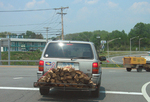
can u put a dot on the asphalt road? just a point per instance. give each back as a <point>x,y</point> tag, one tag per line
<point>16,85</point>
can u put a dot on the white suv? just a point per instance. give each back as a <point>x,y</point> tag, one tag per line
<point>80,54</point>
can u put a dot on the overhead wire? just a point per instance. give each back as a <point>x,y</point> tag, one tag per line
<point>47,22</point>
<point>26,24</point>
<point>28,10</point>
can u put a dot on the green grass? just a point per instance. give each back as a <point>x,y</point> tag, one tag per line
<point>19,55</point>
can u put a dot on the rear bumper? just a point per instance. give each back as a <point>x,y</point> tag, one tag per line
<point>39,74</point>
<point>96,78</point>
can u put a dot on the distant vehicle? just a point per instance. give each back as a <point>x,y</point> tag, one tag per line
<point>148,53</point>
<point>137,63</point>
<point>79,54</point>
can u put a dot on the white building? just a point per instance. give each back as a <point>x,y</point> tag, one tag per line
<point>20,44</point>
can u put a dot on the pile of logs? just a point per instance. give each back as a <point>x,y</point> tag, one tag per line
<point>67,76</point>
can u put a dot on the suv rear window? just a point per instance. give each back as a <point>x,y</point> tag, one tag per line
<point>69,50</point>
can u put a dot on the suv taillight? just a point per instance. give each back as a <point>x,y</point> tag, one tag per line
<point>41,65</point>
<point>95,68</point>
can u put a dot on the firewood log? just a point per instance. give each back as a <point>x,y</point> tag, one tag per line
<point>81,76</point>
<point>70,81</point>
<point>48,75</point>
<point>67,74</point>
<point>48,80</point>
<point>78,72</point>
<point>65,69</point>
<point>76,76</point>
<point>58,77</point>
<point>58,81</point>
<point>54,75</point>
<point>81,80</point>
<point>73,74</point>
<point>58,73</point>
<point>54,70</point>
<point>68,77</point>
<point>62,78</point>
<point>41,80</point>
<point>71,70</point>
<point>64,81</point>
<point>59,68</point>
<point>86,80</point>
<point>52,80</point>
<point>61,73</point>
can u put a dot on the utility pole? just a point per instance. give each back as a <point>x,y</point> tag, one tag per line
<point>47,33</point>
<point>62,18</point>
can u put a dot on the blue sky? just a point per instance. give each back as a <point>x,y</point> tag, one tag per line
<point>82,15</point>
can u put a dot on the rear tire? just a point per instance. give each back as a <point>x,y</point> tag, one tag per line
<point>96,92</point>
<point>139,69</point>
<point>148,70</point>
<point>44,91</point>
<point>129,69</point>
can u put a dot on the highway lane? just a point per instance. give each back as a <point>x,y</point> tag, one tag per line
<point>117,86</point>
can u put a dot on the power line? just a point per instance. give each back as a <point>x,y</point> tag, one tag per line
<point>26,24</point>
<point>28,10</point>
<point>51,19</point>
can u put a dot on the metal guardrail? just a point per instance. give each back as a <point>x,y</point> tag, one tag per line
<point>19,62</point>
<point>36,62</point>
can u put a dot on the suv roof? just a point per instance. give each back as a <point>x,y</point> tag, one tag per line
<point>67,41</point>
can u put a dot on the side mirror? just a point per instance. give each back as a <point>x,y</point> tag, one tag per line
<point>102,58</point>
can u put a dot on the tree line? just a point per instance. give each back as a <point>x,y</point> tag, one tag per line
<point>28,34</point>
<point>139,33</point>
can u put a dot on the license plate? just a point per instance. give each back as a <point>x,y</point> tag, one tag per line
<point>68,64</point>
<point>74,65</point>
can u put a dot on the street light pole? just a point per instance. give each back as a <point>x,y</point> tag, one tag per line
<point>98,37</point>
<point>139,42</point>
<point>108,44</point>
<point>130,43</point>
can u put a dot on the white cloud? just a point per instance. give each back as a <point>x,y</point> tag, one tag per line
<point>31,4</point>
<point>4,6</point>
<point>41,2</point>
<point>1,4</point>
<point>83,13</point>
<point>86,1</point>
<point>112,5</point>
<point>91,1</point>
<point>140,7</point>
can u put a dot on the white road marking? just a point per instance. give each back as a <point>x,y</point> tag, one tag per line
<point>107,92</point>
<point>119,92</point>
<point>18,88</point>
<point>144,91</point>
<point>18,78</point>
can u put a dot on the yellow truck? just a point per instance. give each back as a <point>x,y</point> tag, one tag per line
<point>137,63</point>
